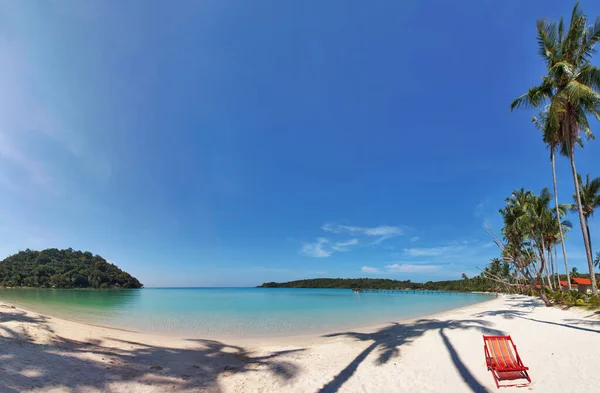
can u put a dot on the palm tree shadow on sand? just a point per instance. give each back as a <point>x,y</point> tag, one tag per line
<point>108,364</point>
<point>388,340</point>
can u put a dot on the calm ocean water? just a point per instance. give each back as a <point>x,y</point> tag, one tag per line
<point>262,312</point>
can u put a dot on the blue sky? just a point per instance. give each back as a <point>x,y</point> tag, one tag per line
<point>213,143</point>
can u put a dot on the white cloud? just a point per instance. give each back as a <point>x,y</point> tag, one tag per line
<point>432,251</point>
<point>343,245</point>
<point>369,269</point>
<point>414,239</point>
<point>384,230</point>
<point>316,250</point>
<point>409,268</point>
<point>381,232</point>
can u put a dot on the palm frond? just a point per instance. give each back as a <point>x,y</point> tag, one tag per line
<point>584,127</point>
<point>590,76</point>
<point>567,224</point>
<point>534,97</point>
<point>577,92</point>
<point>561,27</point>
<point>548,39</point>
<point>575,35</point>
<point>592,37</point>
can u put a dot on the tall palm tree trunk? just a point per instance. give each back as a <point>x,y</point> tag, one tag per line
<point>587,228</point>
<point>586,241</point>
<point>562,240</point>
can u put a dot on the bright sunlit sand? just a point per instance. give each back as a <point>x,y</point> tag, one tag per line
<point>443,352</point>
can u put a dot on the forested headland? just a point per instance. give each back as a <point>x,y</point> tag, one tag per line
<point>466,284</point>
<point>54,268</point>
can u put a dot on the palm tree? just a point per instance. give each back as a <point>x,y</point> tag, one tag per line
<point>529,229</point>
<point>552,235</point>
<point>590,200</point>
<point>574,272</point>
<point>552,138</point>
<point>597,261</point>
<point>571,89</point>
<point>541,227</point>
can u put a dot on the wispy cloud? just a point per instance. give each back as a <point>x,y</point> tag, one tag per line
<point>410,268</point>
<point>344,245</point>
<point>479,210</point>
<point>324,247</point>
<point>449,249</point>
<point>429,252</point>
<point>317,249</point>
<point>414,239</point>
<point>370,270</point>
<point>379,233</point>
<point>386,231</point>
<point>26,167</point>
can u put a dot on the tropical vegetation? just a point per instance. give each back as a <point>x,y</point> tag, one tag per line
<point>53,268</point>
<point>568,93</point>
<point>530,235</point>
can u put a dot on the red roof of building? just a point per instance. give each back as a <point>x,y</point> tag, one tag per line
<point>581,281</point>
<point>565,283</point>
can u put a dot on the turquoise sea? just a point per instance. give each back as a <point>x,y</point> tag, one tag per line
<point>243,312</point>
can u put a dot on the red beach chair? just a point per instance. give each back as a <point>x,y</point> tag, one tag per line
<point>504,364</point>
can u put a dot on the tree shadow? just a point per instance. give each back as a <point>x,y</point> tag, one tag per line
<point>20,334</point>
<point>102,363</point>
<point>588,322</point>
<point>462,369</point>
<point>569,323</point>
<point>388,341</point>
<point>522,302</point>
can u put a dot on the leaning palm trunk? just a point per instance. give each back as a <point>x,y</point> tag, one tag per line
<point>557,271</point>
<point>544,267</point>
<point>586,240</point>
<point>560,231</point>
<point>551,262</point>
<point>550,284</point>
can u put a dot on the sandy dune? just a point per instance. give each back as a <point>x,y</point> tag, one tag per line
<point>442,353</point>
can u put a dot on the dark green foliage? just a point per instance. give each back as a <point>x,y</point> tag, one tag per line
<point>53,268</point>
<point>469,284</point>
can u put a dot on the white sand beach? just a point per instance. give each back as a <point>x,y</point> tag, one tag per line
<point>440,353</point>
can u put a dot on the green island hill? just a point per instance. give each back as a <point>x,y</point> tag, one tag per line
<point>54,268</point>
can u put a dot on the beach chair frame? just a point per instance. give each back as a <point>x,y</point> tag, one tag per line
<point>500,373</point>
